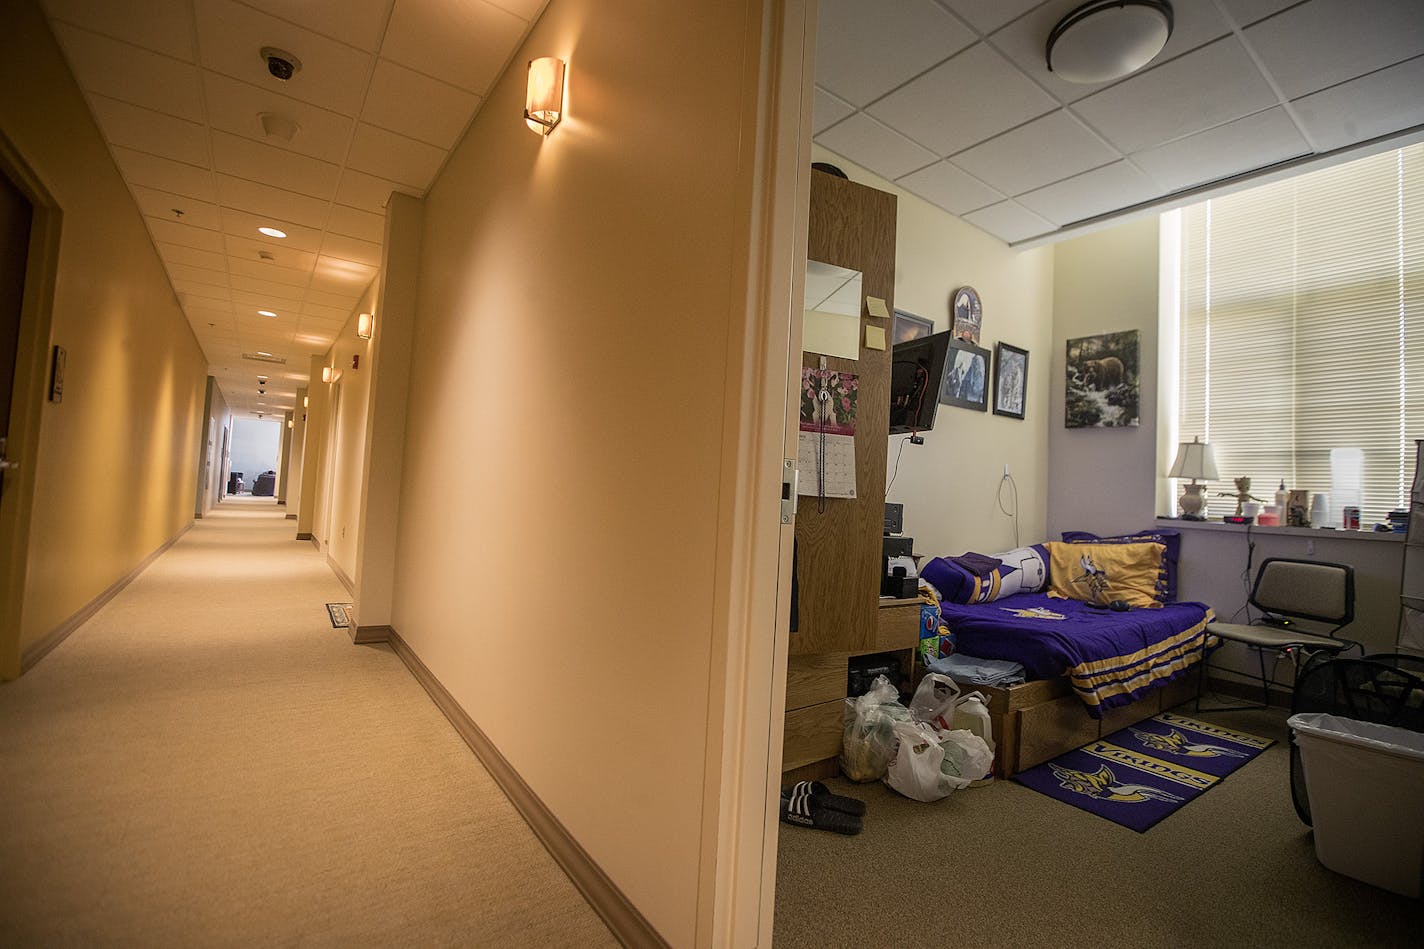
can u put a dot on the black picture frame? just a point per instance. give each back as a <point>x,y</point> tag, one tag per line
<point>966,376</point>
<point>908,326</point>
<point>1011,381</point>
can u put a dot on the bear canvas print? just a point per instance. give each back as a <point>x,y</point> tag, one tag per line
<point>1102,384</point>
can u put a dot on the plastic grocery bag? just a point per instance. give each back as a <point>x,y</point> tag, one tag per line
<point>971,713</point>
<point>929,764</point>
<point>869,740</point>
<point>935,700</point>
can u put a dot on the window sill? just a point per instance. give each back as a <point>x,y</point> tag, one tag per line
<point>1320,533</point>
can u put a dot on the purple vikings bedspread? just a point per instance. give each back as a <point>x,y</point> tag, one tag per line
<point>1112,659</point>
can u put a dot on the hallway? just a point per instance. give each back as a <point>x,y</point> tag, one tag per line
<point>207,762</point>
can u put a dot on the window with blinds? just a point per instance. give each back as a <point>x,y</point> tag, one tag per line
<point>1301,330</point>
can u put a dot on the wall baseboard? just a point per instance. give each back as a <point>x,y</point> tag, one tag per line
<point>628,925</point>
<point>43,646</point>
<point>305,535</point>
<point>1250,691</point>
<point>341,575</point>
<point>293,517</point>
<point>366,635</point>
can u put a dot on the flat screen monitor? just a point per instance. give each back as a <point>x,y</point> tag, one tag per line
<point>916,371</point>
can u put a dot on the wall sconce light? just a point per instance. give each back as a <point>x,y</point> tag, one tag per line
<point>290,423</point>
<point>305,402</point>
<point>329,374</point>
<point>365,325</point>
<point>544,100</point>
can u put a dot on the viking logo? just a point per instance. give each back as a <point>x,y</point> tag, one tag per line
<point>1093,577</point>
<point>1176,744</point>
<point>1102,785</point>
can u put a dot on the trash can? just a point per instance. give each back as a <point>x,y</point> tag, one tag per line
<point>1366,788</point>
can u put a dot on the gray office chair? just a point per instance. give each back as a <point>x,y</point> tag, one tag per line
<point>1285,591</point>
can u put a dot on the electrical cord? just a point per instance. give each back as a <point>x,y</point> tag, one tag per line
<point>896,472</point>
<point>1014,514</point>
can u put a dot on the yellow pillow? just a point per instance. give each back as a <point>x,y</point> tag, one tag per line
<point>1101,573</point>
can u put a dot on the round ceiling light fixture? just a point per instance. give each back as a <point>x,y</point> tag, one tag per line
<point>268,313</point>
<point>1104,40</point>
<point>271,232</point>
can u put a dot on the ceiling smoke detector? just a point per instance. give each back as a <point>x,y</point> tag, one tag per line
<point>280,63</point>
<point>1105,40</point>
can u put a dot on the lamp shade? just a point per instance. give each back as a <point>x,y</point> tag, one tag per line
<point>1194,461</point>
<point>544,97</point>
<point>1105,40</point>
<point>365,325</point>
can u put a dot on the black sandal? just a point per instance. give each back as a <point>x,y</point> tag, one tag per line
<point>803,806</point>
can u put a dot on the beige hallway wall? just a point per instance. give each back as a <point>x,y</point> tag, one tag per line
<point>559,515</point>
<point>115,472</point>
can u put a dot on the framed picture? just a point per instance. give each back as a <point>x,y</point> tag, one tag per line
<point>1010,380</point>
<point>908,326</point>
<point>966,377</point>
<point>1101,388</point>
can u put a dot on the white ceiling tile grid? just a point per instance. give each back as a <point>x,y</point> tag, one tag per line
<point>954,102</point>
<point>179,88</point>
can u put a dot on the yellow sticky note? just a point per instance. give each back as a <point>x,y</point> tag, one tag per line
<point>876,307</point>
<point>875,337</point>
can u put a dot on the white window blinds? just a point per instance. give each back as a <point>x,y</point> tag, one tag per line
<point>1302,329</point>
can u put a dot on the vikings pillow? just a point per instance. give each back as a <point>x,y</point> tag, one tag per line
<point>975,578</point>
<point>1170,539</point>
<point>1101,573</point>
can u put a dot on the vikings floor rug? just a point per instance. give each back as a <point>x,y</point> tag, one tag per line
<point>340,614</point>
<point>1139,775</point>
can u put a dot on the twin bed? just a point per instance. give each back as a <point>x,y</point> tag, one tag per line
<point>1090,670</point>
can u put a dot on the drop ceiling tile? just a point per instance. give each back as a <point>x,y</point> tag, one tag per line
<point>187,256</point>
<point>162,26</point>
<point>861,53</point>
<point>198,275</point>
<point>312,311</point>
<point>827,110</point>
<point>1043,151</point>
<point>162,204</point>
<point>130,74</point>
<point>525,9</point>
<point>1102,190</point>
<point>207,291</point>
<point>205,301</point>
<point>964,101</point>
<point>349,248</point>
<point>273,166</point>
<point>1204,88</point>
<point>184,235</point>
<point>344,302</point>
<point>1246,12</point>
<point>417,106</point>
<point>388,155</point>
<point>148,131</point>
<point>273,289</point>
<point>333,275</point>
<point>986,16</point>
<point>141,168</point>
<point>872,145</point>
<point>248,303</point>
<point>1024,42</point>
<point>1364,108</point>
<point>230,36</point>
<point>1240,146</point>
<point>266,270</point>
<point>465,43</point>
<point>237,107</point>
<point>288,257</point>
<point>245,225</point>
<point>264,199</point>
<point>367,192</point>
<point>354,223</point>
<point>1324,42</point>
<point>1009,222</point>
<point>355,24</point>
<point>948,187</point>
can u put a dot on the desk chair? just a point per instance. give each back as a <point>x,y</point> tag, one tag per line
<point>1286,590</point>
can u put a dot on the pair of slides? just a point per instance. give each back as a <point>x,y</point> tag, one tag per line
<point>811,804</point>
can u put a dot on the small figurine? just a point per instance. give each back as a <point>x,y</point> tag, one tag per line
<point>1242,495</point>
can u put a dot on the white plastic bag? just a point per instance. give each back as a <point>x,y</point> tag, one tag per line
<point>930,764</point>
<point>934,700</point>
<point>869,740</point>
<point>971,713</point>
<point>967,755</point>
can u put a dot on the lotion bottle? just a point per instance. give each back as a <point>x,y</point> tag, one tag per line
<point>1281,500</point>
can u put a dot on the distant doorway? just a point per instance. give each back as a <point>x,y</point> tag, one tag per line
<point>256,447</point>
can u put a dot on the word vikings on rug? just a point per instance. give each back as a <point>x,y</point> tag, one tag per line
<point>1140,774</point>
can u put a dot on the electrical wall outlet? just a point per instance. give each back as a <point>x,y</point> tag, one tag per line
<point>1310,547</point>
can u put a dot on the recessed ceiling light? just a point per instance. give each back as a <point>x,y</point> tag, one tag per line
<point>266,313</point>
<point>260,353</point>
<point>271,232</point>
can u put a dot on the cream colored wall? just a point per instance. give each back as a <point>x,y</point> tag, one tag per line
<point>340,501</point>
<point>564,441</point>
<point>949,485</point>
<point>220,417</point>
<point>115,470</point>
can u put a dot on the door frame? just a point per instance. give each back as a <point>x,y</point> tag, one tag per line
<point>26,411</point>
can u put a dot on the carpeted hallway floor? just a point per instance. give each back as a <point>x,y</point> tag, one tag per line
<point>1003,865</point>
<point>207,762</point>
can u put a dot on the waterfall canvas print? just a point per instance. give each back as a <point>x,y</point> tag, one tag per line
<point>1102,388</point>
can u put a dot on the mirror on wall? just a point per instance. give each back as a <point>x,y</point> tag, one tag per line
<point>833,301</point>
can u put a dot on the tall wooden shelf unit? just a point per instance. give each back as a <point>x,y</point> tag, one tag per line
<point>838,550</point>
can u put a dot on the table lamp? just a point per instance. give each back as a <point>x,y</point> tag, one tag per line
<point>1194,461</point>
